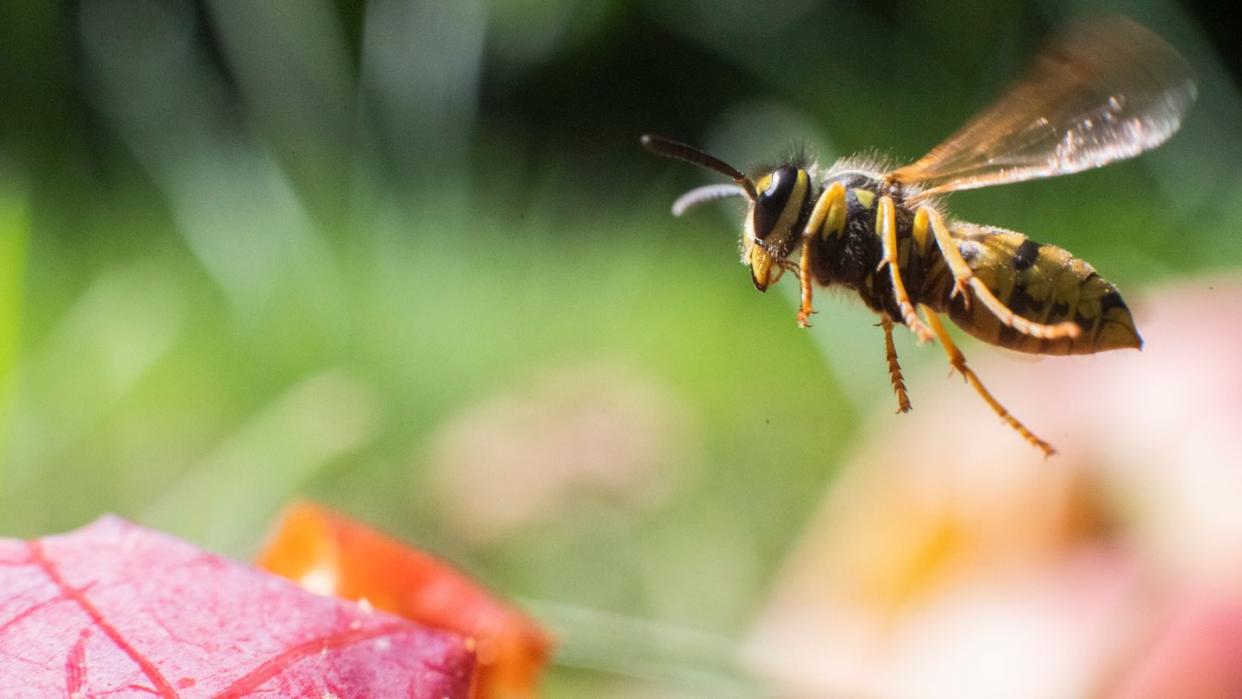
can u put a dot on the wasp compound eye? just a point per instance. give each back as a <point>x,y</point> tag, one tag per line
<point>771,202</point>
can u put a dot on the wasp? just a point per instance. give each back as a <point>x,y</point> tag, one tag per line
<point>1100,91</point>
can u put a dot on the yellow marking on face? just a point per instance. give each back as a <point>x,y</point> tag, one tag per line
<point>865,197</point>
<point>761,267</point>
<point>793,208</point>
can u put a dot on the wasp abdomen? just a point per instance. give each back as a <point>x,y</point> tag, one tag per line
<point>1043,283</point>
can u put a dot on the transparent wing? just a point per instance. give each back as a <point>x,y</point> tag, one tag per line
<point>1102,91</point>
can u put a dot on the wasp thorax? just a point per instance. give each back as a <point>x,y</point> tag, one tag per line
<point>774,215</point>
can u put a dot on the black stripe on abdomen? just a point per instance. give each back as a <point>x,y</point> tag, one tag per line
<point>1026,254</point>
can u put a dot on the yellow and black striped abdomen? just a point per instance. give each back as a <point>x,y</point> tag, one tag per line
<point>1043,283</point>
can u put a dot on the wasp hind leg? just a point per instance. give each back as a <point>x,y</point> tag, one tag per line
<point>894,368</point>
<point>964,277</point>
<point>830,211</point>
<point>958,360</point>
<point>886,226</point>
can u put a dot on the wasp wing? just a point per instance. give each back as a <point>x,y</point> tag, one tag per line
<point>1102,91</point>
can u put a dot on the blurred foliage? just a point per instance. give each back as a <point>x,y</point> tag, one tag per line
<point>258,249</point>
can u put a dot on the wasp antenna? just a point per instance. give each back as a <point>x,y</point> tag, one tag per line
<point>704,194</point>
<point>680,151</point>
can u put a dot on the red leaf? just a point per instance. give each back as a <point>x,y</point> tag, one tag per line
<point>333,554</point>
<point>115,610</point>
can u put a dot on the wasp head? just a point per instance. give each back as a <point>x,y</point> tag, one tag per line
<point>772,223</point>
<point>779,204</point>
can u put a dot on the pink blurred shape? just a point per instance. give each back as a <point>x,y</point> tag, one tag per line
<point>1197,653</point>
<point>951,560</point>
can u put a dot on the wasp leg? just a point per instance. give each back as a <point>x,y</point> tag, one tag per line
<point>829,209</point>
<point>958,360</point>
<point>886,225</point>
<point>963,276</point>
<point>894,368</point>
<point>804,278</point>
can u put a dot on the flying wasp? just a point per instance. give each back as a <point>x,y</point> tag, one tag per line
<point>1099,92</point>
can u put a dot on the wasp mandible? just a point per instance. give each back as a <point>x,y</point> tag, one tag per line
<point>1101,91</point>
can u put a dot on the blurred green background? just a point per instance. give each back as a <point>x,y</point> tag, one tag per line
<point>408,259</point>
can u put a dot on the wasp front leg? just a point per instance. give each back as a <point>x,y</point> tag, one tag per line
<point>804,278</point>
<point>827,218</point>
<point>964,277</point>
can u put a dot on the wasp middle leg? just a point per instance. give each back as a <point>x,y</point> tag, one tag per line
<point>958,360</point>
<point>886,227</point>
<point>894,368</point>
<point>963,277</point>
